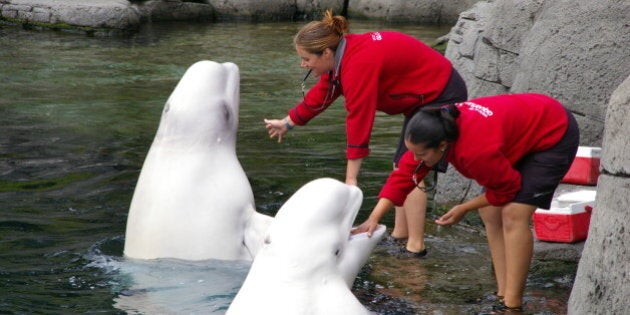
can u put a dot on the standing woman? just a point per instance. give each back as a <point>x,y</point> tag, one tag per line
<point>518,147</point>
<point>378,71</point>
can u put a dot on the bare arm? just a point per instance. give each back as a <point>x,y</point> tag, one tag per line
<point>352,171</point>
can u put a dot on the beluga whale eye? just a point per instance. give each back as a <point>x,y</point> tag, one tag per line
<point>267,240</point>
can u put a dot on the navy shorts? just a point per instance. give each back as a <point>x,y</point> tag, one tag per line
<point>541,172</point>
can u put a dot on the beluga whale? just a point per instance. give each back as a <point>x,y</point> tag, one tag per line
<point>193,200</point>
<point>309,260</point>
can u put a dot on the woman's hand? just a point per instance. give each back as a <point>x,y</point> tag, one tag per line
<point>457,213</point>
<point>278,127</point>
<point>452,216</point>
<point>382,206</point>
<point>368,226</point>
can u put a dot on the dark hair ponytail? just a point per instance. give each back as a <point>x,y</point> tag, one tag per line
<point>432,125</point>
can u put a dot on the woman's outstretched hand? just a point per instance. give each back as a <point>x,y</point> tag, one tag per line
<point>276,127</point>
<point>452,216</point>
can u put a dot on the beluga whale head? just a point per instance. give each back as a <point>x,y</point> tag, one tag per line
<point>193,200</point>
<point>203,107</point>
<point>309,260</point>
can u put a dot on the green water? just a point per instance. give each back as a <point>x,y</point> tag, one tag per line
<point>78,114</point>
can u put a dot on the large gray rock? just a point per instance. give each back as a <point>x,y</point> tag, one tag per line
<point>616,148</point>
<point>473,54</point>
<point>105,14</point>
<point>100,15</point>
<point>422,11</point>
<point>601,282</point>
<point>578,52</point>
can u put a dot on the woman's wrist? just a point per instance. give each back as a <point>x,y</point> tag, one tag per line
<point>374,219</point>
<point>288,123</point>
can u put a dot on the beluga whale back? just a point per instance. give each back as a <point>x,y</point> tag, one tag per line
<point>193,200</point>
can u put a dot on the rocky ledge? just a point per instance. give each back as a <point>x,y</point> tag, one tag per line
<point>98,15</point>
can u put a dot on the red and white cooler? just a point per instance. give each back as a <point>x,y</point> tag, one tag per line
<point>585,167</point>
<point>568,218</point>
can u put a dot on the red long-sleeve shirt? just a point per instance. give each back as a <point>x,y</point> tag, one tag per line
<point>494,133</point>
<point>386,71</point>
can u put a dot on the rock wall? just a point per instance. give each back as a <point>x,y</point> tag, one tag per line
<point>575,51</point>
<point>175,10</point>
<point>434,12</point>
<point>273,10</point>
<point>601,282</point>
<point>99,15</point>
<point>105,14</point>
<point>124,15</point>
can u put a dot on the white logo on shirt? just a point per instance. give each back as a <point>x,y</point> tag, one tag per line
<point>376,36</point>
<point>482,110</point>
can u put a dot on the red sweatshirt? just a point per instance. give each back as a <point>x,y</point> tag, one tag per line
<point>494,133</point>
<point>387,71</point>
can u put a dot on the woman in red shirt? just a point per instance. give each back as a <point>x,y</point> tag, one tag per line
<point>378,71</point>
<point>518,147</point>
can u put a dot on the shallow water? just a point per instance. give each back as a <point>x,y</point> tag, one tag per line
<point>77,116</point>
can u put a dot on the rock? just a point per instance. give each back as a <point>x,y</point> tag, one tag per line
<point>98,14</point>
<point>601,279</point>
<point>616,150</point>
<point>558,251</point>
<point>578,54</point>
<point>255,10</point>
<point>176,11</point>
<point>421,12</point>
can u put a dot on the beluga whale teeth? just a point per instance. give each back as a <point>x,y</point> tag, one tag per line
<point>193,200</point>
<point>308,261</point>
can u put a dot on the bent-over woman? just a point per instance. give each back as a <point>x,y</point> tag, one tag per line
<point>518,147</point>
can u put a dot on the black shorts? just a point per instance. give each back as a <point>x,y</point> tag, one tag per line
<point>454,92</point>
<point>541,172</point>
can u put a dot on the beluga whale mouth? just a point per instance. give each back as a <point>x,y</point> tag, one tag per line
<point>309,260</point>
<point>193,200</point>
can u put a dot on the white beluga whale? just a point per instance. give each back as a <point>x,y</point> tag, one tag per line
<point>193,200</point>
<point>309,260</point>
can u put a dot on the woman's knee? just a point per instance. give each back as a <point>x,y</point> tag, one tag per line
<point>491,216</point>
<point>516,215</point>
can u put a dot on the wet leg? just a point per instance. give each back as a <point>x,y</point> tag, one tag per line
<point>519,246</point>
<point>491,217</point>
<point>400,224</point>
<point>415,209</point>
